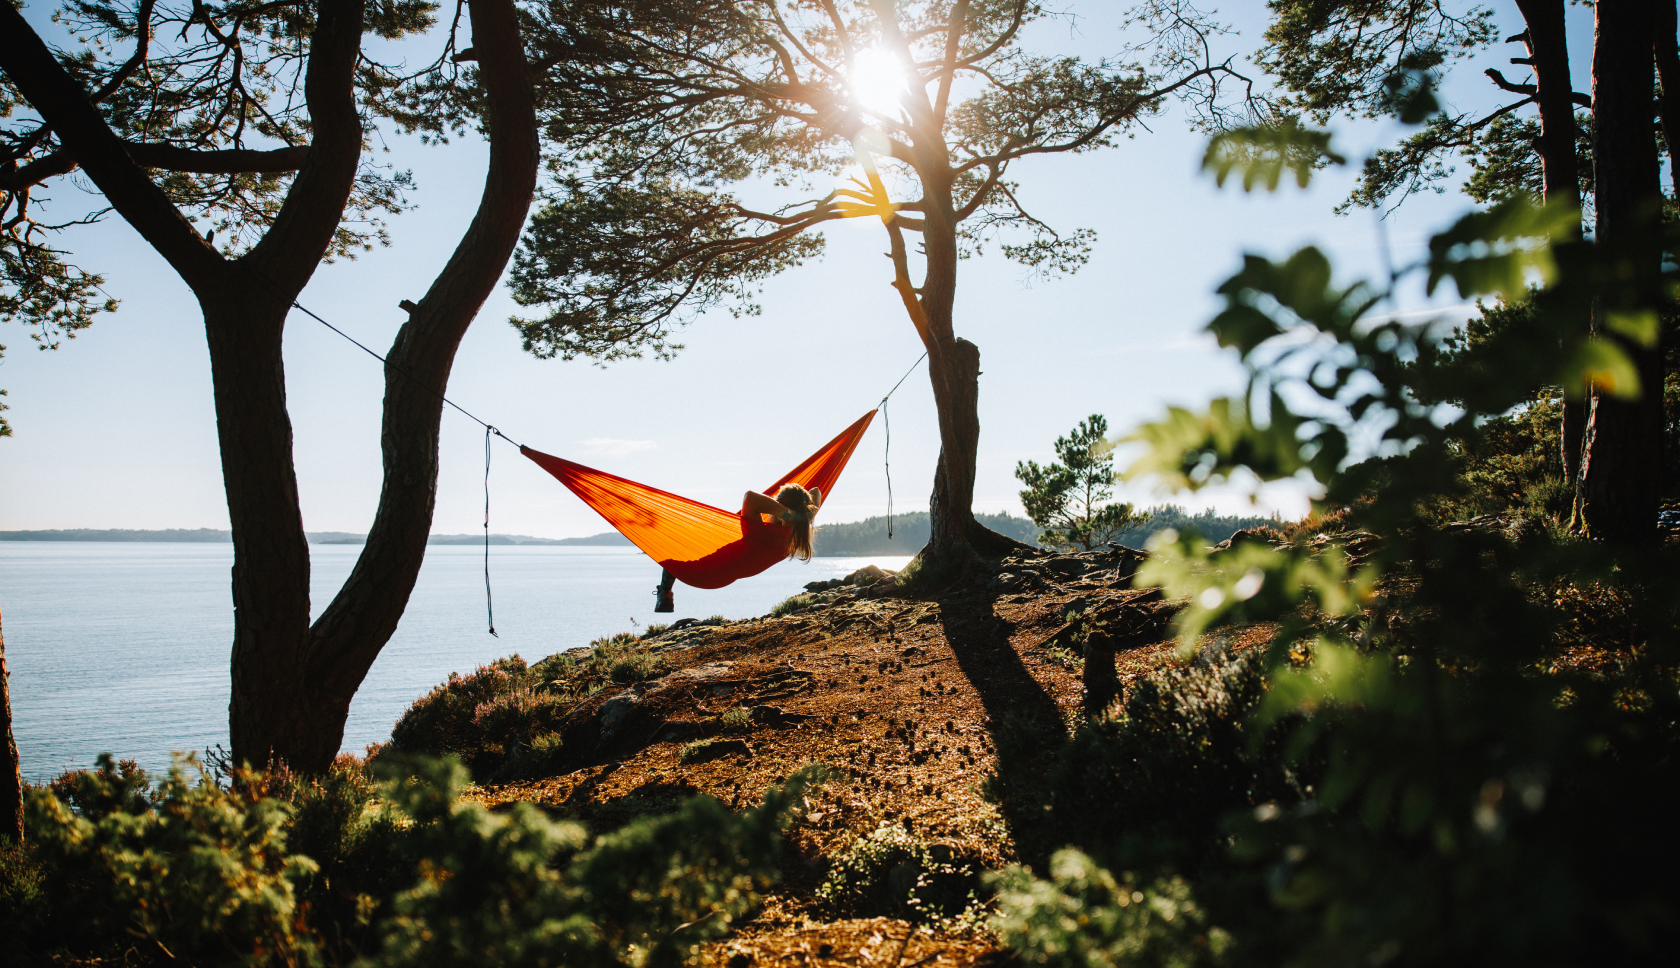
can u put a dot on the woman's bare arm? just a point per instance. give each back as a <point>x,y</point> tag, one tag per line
<point>755,503</point>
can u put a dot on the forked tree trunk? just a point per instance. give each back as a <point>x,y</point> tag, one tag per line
<point>292,683</point>
<point>11,771</point>
<point>298,687</point>
<point>1621,470</point>
<point>270,551</point>
<point>1548,47</point>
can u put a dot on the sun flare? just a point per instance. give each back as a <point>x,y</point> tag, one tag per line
<point>877,83</point>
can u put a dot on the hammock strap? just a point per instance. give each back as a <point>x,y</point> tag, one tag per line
<point>489,606</point>
<point>886,424</point>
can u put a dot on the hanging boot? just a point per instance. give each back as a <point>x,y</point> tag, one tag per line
<point>663,598</point>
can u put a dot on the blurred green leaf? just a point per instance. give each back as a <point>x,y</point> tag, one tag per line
<point>1642,326</point>
<point>1601,363</point>
<point>1262,153</point>
<point>1502,250</point>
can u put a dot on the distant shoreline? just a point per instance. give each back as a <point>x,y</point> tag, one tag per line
<point>213,536</point>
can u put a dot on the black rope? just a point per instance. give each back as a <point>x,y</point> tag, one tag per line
<point>488,428</point>
<point>886,424</point>
<point>489,607</point>
<point>906,375</point>
<point>886,462</point>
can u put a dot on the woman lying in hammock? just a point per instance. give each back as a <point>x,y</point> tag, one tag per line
<point>789,514</point>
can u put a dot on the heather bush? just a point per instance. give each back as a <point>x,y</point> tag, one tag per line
<point>407,874</point>
<point>442,722</point>
<point>514,717</point>
<point>503,720</point>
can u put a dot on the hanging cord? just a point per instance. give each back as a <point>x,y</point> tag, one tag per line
<point>489,609</point>
<point>489,606</point>
<point>488,428</point>
<point>886,423</point>
<point>886,462</point>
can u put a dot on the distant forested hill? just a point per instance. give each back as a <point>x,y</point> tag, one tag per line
<point>315,537</point>
<point>1209,524</point>
<point>118,534</point>
<point>910,531</point>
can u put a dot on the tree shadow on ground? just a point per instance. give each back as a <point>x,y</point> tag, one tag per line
<point>1023,719</point>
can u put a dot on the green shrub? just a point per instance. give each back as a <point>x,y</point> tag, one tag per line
<point>739,718</point>
<point>1149,784</point>
<point>517,888</point>
<point>408,874</point>
<point>542,755</point>
<point>694,751</point>
<point>23,900</point>
<point>1083,917</point>
<point>634,668</point>
<point>199,874</point>
<point>801,602</point>
<point>893,873</point>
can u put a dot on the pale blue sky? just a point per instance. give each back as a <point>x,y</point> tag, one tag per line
<point>116,429</point>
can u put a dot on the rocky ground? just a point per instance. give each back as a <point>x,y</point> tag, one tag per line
<point>907,699</point>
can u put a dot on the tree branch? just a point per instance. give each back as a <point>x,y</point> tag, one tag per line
<point>953,40</point>
<point>62,103</point>
<point>1504,85</point>
<point>361,618</point>
<point>290,250</point>
<point>230,161</point>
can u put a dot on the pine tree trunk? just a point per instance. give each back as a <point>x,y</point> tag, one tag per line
<point>1667,48</point>
<point>951,506</point>
<point>1620,482</point>
<point>292,682</point>
<point>1548,46</point>
<point>954,370</point>
<point>11,770</point>
<point>271,715</point>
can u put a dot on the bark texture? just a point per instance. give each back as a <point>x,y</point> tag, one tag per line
<point>11,771</point>
<point>302,720</point>
<point>1548,50</point>
<point>1667,49</point>
<point>1620,482</point>
<point>953,364</point>
<point>292,683</point>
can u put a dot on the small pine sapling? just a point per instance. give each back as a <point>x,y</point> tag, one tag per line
<point>1071,500</point>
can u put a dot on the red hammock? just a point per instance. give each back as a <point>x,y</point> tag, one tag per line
<point>703,546</point>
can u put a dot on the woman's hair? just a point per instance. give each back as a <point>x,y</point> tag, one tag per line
<point>802,504</point>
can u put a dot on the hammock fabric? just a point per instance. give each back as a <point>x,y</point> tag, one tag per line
<point>703,546</point>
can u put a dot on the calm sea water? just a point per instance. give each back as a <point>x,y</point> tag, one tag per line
<point>124,646</point>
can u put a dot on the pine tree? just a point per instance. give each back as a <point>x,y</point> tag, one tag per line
<point>1070,499</point>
